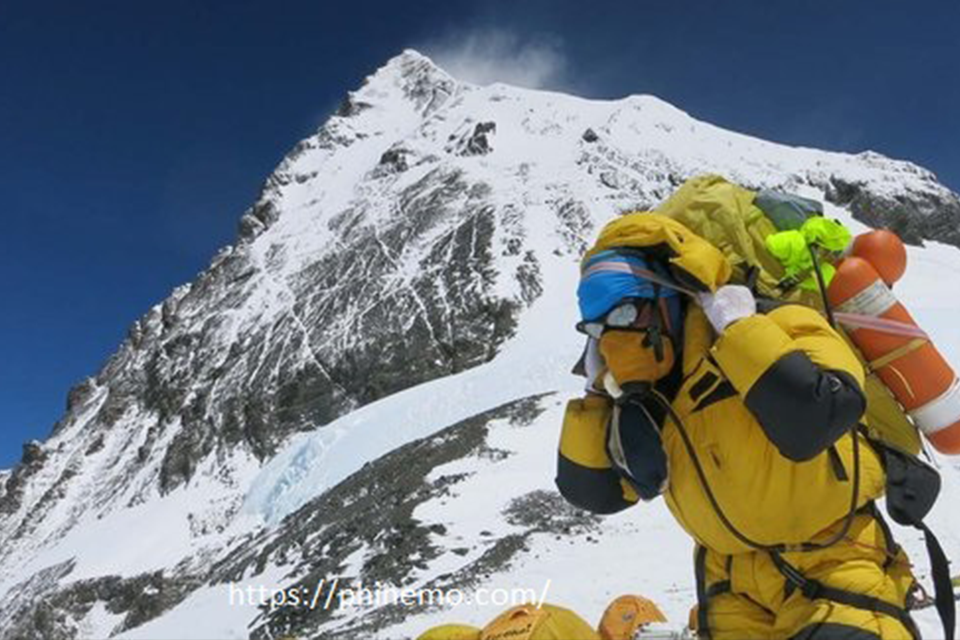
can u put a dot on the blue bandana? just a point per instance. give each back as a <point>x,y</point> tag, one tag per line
<point>609,278</point>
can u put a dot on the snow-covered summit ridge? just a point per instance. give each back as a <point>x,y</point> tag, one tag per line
<point>411,76</point>
<point>412,97</point>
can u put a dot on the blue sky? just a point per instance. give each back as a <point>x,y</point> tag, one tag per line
<point>133,135</point>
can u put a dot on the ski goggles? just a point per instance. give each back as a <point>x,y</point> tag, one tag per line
<point>634,314</point>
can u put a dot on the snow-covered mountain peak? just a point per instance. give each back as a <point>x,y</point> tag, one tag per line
<point>408,77</point>
<point>344,389</point>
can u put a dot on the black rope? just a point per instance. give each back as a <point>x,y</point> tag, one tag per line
<point>822,286</point>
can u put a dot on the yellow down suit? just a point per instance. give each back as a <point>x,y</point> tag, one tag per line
<point>773,499</point>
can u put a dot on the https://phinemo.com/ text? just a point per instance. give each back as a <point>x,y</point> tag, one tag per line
<point>334,594</point>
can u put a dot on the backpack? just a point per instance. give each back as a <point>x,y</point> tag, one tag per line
<point>741,223</point>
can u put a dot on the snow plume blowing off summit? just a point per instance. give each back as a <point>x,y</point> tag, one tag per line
<point>485,56</point>
<point>368,385</point>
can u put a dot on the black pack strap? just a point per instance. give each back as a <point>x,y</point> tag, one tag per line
<point>701,386</point>
<point>892,547</point>
<point>706,593</point>
<point>912,489</point>
<point>751,277</point>
<point>719,588</point>
<point>942,584</point>
<point>822,285</point>
<point>836,463</point>
<point>700,571</point>
<point>816,590</point>
<point>720,392</point>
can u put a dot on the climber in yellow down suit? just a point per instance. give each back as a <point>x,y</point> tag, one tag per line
<point>753,407</point>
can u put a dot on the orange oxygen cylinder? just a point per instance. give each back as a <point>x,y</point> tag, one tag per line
<point>884,250</point>
<point>912,368</point>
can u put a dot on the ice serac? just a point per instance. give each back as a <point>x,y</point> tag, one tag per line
<point>369,382</point>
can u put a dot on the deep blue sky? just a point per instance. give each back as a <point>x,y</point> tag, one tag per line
<point>134,134</point>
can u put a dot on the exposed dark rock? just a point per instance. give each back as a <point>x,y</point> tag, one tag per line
<point>95,446</point>
<point>424,84</point>
<point>55,615</point>
<point>10,498</point>
<point>915,218</point>
<point>250,227</point>
<point>191,444</point>
<point>33,454</point>
<point>610,179</point>
<point>529,276</point>
<point>113,408</point>
<point>80,393</point>
<point>479,142</point>
<point>545,511</point>
<point>260,216</point>
<point>590,136</point>
<point>31,462</point>
<point>350,106</point>
<point>574,226</point>
<point>395,159</point>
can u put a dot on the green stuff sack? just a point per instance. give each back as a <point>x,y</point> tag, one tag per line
<point>786,210</point>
